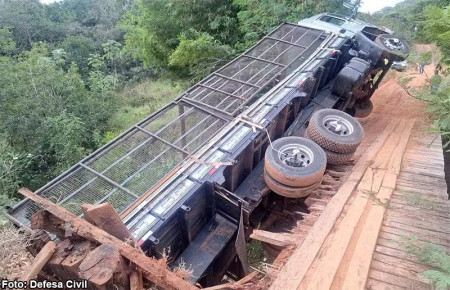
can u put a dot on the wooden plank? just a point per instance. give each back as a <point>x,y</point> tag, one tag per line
<point>422,194</point>
<point>39,262</point>
<point>236,285</point>
<point>386,152</point>
<point>417,223</point>
<point>399,258</point>
<point>358,268</point>
<point>293,272</point>
<point>401,272</point>
<point>152,270</point>
<point>106,217</point>
<point>136,282</point>
<point>331,257</point>
<point>415,230</point>
<point>394,164</point>
<point>414,201</point>
<point>276,239</point>
<point>392,279</point>
<point>388,257</point>
<point>395,234</point>
<point>373,284</point>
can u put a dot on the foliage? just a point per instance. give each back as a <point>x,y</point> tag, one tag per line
<point>202,54</point>
<point>28,22</point>
<point>7,44</point>
<point>78,48</point>
<point>431,255</point>
<point>49,114</point>
<point>139,100</point>
<point>156,28</point>
<point>437,27</point>
<point>257,18</point>
<point>438,97</point>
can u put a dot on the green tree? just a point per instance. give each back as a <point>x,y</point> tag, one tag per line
<point>201,54</point>
<point>437,28</point>
<point>7,44</point>
<point>78,48</point>
<point>49,113</point>
<point>258,17</point>
<point>155,27</point>
<point>28,22</point>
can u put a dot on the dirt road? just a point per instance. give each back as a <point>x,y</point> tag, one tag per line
<point>392,101</point>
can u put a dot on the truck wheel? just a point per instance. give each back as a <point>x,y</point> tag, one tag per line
<point>335,158</point>
<point>289,191</point>
<point>363,109</point>
<point>335,130</point>
<point>393,45</point>
<point>338,158</point>
<point>295,161</point>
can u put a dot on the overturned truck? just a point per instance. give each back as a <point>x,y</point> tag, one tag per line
<point>198,175</point>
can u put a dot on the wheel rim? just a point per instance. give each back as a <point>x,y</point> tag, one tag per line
<point>338,125</point>
<point>393,43</point>
<point>295,155</point>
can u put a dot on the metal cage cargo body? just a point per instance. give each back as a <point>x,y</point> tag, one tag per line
<point>187,178</point>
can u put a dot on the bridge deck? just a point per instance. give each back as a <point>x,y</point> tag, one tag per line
<point>392,209</point>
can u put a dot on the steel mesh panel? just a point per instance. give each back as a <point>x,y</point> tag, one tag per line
<point>61,190</point>
<point>119,148</point>
<point>207,129</point>
<point>92,193</point>
<point>245,77</point>
<point>120,200</point>
<point>137,159</point>
<point>155,171</point>
<point>24,212</point>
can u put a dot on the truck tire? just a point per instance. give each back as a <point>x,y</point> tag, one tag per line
<point>295,161</point>
<point>338,158</point>
<point>335,130</point>
<point>335,158</point>
<point>289,191</point>
<point>394,45</point>
<point>363,109</point>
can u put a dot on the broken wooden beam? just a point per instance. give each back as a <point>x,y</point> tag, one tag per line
<point>106,217</point>
<point>152,270</point>
<point>67,258</point>
<point>39,261</point>
<point>105,268</point>
<point>276,239</point>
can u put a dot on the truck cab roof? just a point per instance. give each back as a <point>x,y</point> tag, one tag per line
<point>338,24</point>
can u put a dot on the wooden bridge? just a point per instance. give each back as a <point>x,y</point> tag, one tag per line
<point>393,204</point>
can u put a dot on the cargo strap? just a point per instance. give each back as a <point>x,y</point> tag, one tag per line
<point>216,164</point>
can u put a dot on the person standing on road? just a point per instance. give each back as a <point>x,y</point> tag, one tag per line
<point>421,68</point>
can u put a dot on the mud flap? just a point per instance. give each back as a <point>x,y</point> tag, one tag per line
<point>240,245</point>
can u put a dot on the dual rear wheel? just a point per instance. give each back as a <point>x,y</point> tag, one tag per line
<point>294,166</point>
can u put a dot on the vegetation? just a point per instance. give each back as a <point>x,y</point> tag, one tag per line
<point>431,255</point>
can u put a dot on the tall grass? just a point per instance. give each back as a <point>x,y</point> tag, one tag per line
<point>137,101</point>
